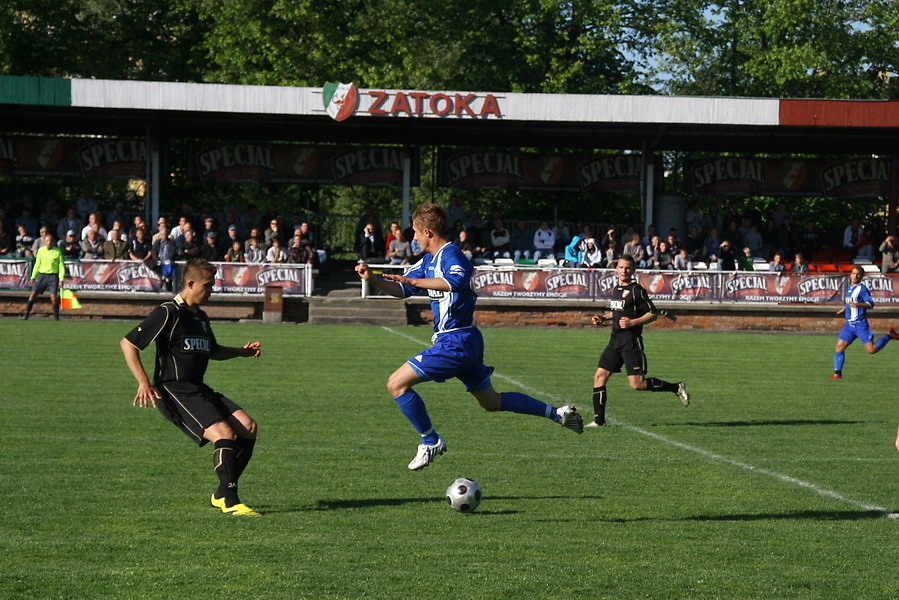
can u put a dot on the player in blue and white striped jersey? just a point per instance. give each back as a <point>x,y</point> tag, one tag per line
<point>458,349</point>
<point>858,302</point>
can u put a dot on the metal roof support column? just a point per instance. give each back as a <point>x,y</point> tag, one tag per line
<point>647,186</point>
<point>151,201</point>
<point>894,192</point>
<point>407,184</point>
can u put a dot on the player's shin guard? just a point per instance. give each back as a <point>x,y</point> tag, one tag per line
<point>413,407</point>
<point>244,453</point>
<point>599,405</point>
<point>525,405</point>
<point>838,359</point>
<point>657,385</point>
<point>224,459</point>
<point>879,344</point>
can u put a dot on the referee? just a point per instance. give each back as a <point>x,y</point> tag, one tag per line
<point>184,346</point>
<point>47,275</point>
<point>631,309</point>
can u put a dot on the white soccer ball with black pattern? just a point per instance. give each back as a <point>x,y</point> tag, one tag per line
<point>464,494</point>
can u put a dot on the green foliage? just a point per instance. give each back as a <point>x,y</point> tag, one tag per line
<point>104,500</point>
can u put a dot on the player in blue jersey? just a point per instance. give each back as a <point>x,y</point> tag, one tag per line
<point>858,302</point>
<point>458,349</point>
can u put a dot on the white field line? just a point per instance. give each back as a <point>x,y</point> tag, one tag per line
<point>713,456</point>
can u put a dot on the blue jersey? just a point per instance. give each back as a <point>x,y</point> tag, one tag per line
<point>857,293</point>
<point>454,309</point>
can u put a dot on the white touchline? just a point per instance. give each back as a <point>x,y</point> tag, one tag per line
<point>702,452</point>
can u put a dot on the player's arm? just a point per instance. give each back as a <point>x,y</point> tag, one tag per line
<point>424,283</point>
<point>146,393</point>
<point>388,287</point>
<point>248,350</point>
<point>600,318</point>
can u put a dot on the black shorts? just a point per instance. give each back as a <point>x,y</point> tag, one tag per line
<point>193,407</point>
<point>46,282</point>
<point>624,350</point>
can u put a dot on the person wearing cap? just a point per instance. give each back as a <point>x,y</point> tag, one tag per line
<point>70,247</point>
<point>47,275</point>
<point>210,249</point>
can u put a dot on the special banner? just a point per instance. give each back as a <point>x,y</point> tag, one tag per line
<point>118,158</point>
<point>135,276</point>
<point>852,177</point>
<point>231,161</point>
<point>488,169</point>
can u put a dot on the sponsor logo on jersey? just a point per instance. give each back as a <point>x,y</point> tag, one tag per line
<point>195,344</point>
<point>617,305</point>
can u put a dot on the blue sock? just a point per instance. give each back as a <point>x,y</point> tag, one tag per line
<point>881,342</point>
<point>414,408</point>
<point>838,359</point>
<point>525,405</point>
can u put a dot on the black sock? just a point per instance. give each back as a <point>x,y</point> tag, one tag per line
<point>599,405</point>
<point>224,460</point>
<point>56,311</point>
<point>657,385</point>
<point>28,307</point>
<point>244,453</point>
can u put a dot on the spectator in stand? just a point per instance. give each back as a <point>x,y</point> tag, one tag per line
<point>162,257</point>
<point>276,253</point>
<point>210,249</point>
<point>138,223</point>
<point>673,243</point>
<point>24,241</point>
<point>652,248</point>
<point>753,241</point>
<point>520,241</point>
<point>779,214</point>
<point>647,238</point>
<point>693,244</point>
<point>454,212</point>
<point>391,235</point>
<point>865,245</point>
<point>91,246</point>
<point>254,253</point>
<point>235,252</point>
<point>117,226</point>
<point>114,248</point>
<point>544,242</point>
<point>178,230</point>
<point>233,236</point>
<point>86,204</point>
<point>209,225</point>
<point>70,247</point>
<point>563,237</point>
<point>726,257</point>
<point>188,247</point>
<point>300,252</point>
<point>139,247</point>
<point>70,221</point>
<point>117,214</point>
<point>610,236</point>
<point>6,246</point>
<point>799,266</point>
<point>574,251</point>
<point>592,257</point>
<point>465,245</point>
<point>809,241</point>
<point>93,222</point>
<point>254,235</point>
<point>732,234</point>
<point>610,255</point>
<point>745,260</point>
<point>850,237</point>
<point>39,240</point>
<point>683,262</point>
<point>370,244</point>
<point>274,232</point>
<point>776,265</point>
<point>500,239</point>
<point>400,250</point>
<point>890,252</point>
<point>30,223</point>
<point>634,249</point>
<point>479,236</point>
<point>662,258</point>
<point>161,223</point>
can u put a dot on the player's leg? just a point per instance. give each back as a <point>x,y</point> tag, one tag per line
<point>37,288</point>
<point>516,402</point>
<point>245,429</point>
<point>635,363</point>
<point>600,377</point>
<point>399,384</point>
<point>54,302</point>
<point>224,462</point>
<point>846,337</point>
<point>897,440</point>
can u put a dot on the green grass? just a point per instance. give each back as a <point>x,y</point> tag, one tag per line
<point>104,500</point>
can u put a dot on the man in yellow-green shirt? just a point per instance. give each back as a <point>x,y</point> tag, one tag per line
<point>48,274</point>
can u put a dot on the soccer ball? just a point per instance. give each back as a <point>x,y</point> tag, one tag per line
<point>463,494</point>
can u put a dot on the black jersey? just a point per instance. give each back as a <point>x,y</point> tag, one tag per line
<point>632,301</point>
<point>184,341</point>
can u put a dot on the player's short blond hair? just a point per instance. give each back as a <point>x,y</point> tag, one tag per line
<point>194,268</point>
<point>430,216</point>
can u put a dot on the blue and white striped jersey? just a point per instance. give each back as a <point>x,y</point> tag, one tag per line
<point>454,309</point>
<point>857,293</point>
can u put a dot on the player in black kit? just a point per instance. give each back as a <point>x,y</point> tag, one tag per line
<point>631,309</point>
<point>184,345</point>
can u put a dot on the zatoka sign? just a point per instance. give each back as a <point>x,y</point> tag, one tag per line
<point>342,100</point>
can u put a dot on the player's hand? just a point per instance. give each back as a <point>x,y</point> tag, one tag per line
<point>146,396</point>
<point>598,319</point>
<point>397,278</point>
<point>363,270</point>
<point>624,322</point>
<point>252,349</point>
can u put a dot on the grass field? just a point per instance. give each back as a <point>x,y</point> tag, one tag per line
<point>775,483</point>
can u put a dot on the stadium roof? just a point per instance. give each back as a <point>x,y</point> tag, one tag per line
<point>449,118</point>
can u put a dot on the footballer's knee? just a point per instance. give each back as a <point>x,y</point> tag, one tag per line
<point>218,431</point>
<point>489,399</point>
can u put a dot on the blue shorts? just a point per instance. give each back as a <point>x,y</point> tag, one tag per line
<point>458,354</point>
<point>856,329</point>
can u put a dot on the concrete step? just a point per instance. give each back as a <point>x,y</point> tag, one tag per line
<point>331,310</point>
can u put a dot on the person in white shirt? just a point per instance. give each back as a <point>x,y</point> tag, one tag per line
<point>544,242</point>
